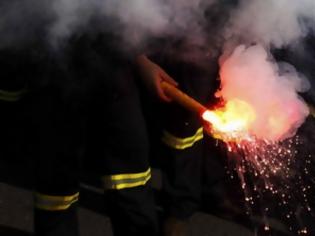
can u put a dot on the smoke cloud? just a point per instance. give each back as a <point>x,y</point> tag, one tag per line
<point>135,21</point>
<point>270,22</point>
<point>23,22</point>
<point>246,71</point>
<point>277,23</point>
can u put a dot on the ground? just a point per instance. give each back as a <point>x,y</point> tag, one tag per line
<point>16,216</point>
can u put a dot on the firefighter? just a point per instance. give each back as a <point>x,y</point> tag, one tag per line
<point>94,80</point>
<point>91,100</point>
<point>13,88</point>
<point>56,129</point>
<point>181,137</point>
<point>124,164</point>
<point>182,149</point>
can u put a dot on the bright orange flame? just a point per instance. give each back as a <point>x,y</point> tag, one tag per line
<point>231,122</point>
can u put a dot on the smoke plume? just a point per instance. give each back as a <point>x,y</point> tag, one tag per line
<point>277,23</point>
<point>23,22</point>
<point>135,21</point>
<point>246,71</point>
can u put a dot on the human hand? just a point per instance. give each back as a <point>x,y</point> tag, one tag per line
<point>152,76</point>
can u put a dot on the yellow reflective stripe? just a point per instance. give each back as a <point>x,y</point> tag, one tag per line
<point>54,203</point>
<point>132,185</point>
<point>182,143</point>
<point>9,96</point>
<point>123,181</point>
<point>130,176</point>
<point>312,110</point>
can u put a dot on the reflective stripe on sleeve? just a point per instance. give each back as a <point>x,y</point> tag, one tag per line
<point>54,203</point>
<point>181,143</point>
<point>9,96</point>
<point>122,181</point>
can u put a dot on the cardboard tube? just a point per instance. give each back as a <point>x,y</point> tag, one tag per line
<point>183,99</point>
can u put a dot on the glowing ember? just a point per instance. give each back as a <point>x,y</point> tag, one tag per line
<point>249,75</point>
<point>231,122</point>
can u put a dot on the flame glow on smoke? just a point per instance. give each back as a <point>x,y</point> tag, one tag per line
<point>271,89</point>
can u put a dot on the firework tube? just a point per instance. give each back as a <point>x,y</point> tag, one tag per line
<point>183,99</point>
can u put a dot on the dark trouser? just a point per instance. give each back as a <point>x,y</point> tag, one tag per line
<point>181,160</point>
<point>119,135</point>
<point>55,146</point>
<point>182,141</point>
<point>52,223</point>
<point>117,142</point>
<point>131,211</point>
<point>13,127</point>
<point>178,152</point>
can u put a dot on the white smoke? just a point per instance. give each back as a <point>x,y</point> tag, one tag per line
<point>69,16</point>
<point>269,23</point>
<point>22,21</point>
<point>272,22</point>
<point>136,21</point>
<point>275,22</point>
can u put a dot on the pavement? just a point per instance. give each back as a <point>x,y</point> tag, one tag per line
<point>16,218</point>
<point>16,212</point>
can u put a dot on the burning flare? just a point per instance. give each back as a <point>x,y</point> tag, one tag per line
<point>231,122</point>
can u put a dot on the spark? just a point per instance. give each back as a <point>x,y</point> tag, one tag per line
<point>269,169</point>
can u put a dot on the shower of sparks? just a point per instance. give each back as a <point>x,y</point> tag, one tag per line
<point>268,170</point>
